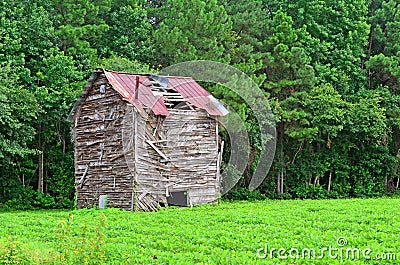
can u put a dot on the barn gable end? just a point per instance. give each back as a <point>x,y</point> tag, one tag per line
<point>145,143</point>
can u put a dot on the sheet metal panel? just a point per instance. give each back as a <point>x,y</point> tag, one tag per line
<point>190,90</point>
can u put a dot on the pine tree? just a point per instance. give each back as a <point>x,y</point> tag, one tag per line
<point>192,30</point>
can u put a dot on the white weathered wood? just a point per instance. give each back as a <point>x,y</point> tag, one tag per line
<point>83,176</point>
<point>157,150</point>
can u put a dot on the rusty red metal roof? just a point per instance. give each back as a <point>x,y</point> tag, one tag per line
<point>125,85</point>
<point>191,91</point>
<point>195,94</point>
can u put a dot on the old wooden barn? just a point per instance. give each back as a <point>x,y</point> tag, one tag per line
<point>145,140</point>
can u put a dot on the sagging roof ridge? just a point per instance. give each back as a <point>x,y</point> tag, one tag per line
<point>192,93</point>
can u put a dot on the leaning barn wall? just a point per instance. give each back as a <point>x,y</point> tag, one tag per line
<point>170,154</point>
<point>192,147</point>
<point>100,167</point>
<point>137,158</point>
<point>140,136</point>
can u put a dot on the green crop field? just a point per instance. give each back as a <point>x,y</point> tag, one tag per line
<point>356,231</point>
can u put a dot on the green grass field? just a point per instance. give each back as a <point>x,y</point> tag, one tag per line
<point>357,231</point>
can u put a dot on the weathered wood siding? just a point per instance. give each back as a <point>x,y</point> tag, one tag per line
<point>192,146</point>
<point>100,167</point>
<point>187,141</point>
<point>137,158</point>
<point>140,129</point>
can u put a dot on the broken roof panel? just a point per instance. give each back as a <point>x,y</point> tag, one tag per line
<point>196,95</point>
<point>125,85</point>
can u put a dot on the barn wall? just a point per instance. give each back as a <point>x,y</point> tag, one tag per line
<point>136,158</point>
<point>192,148</point>
<point>100,167</point>
<point>140,134</point>
<point>176,153</point>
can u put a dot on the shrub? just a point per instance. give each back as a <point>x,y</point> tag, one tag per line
<point>81,244</point>
<point>310,192</point>
<point>30,199</point>
<point>245,194</point>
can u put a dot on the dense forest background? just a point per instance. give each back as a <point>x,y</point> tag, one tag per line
<point>330,71</point>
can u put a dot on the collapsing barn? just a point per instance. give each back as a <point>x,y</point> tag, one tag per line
<point>145,140</point>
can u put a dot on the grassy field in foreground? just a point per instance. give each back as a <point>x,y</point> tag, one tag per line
<point>267,232</point>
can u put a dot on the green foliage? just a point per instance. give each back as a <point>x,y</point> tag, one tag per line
<point>244,194</point>
<point>19,109</point>
<point>228,233</point>
<point>310,192</point>
<point>12,253</point>
<point>192,30</point>
<point>122,64</point>
<point>30,199</point>
<point>336,38</point>
<point>329,112</point>
<point>81,244</point>
<point>368,117</point>
<point>78,26</point>
<point>248,26</point>
<point>287,64</point>
<point>57,85</point>
<point>129,32</point>
<point>383,50</point>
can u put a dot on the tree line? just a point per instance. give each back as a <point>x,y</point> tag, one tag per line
<point>329,69</point>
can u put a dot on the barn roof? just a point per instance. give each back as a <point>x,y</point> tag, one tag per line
<point>154,92</point>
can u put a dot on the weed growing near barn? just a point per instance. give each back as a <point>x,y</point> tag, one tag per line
<point>80,244</point>
<point>229,233</point>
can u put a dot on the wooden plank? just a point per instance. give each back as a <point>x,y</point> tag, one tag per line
<point>83,176</point>
<point>157,150</point>
<point>135,183</point>
<point>116,156</point>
